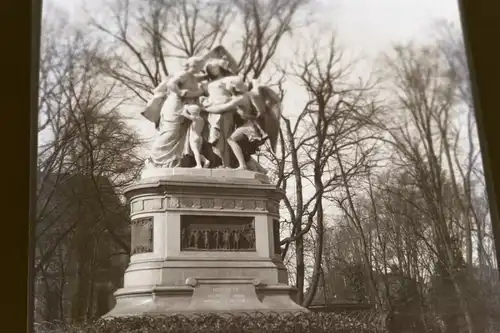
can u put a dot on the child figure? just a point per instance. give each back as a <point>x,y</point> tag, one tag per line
<point>193,113</point>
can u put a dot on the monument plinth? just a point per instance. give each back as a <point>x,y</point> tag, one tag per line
<point>204,240</point>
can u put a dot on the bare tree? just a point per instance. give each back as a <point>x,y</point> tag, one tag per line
<point>420,229</point>
<point>86,154</point>
<point>146,35</point>
<point>451,43</point>
<point>265,24</point>
<point>424,140</point>
<point>333,124</point>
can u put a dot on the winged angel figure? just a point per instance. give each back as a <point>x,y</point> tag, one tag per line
<point>260,109</point>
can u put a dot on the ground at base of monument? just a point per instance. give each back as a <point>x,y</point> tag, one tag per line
<point>232,296</point>
<point>219,313</point>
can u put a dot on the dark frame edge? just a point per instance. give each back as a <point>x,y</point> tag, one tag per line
<point>36,28</point>
<point>479,22</point>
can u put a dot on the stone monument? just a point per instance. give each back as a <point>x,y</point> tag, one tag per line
<point>204,215</point>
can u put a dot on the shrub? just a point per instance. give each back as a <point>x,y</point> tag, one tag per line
<point>227,323</point>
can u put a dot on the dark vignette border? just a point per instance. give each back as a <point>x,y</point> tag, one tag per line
<point>36,21</point>
<point>16,142</point>
<point>481,26</point>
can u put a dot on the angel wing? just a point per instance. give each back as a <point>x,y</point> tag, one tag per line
<point>268,105</point>
<point>220,52</point>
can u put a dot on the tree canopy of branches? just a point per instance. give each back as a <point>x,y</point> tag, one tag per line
<point>86,154</point>
<point>329,142</point>
<point>422,229</point>
<point>145,35</point>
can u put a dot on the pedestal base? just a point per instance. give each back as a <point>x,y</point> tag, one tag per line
<point>171,300</point>
<point>204,241</point>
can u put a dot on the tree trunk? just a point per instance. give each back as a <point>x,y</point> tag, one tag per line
<point>299,259</point>
<point>319,252</point>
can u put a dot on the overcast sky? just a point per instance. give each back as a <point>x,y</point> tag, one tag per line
<point>369,25</point>
<point>364,27</point>
<point>374,24</point>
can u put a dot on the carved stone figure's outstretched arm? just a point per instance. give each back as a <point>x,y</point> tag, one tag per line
<point>192,94</point>
<point>228,106</point>
<point>200,77</point>
<point>162,87</point>
<point>187,115</point>
<point>170,83</point>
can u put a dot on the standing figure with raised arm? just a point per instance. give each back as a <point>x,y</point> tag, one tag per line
<point>221,125</point>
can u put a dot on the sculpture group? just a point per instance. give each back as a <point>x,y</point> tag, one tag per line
<point>207,116</point>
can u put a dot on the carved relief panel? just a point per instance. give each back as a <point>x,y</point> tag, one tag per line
<point>142,235</point>
<point>217,233</point>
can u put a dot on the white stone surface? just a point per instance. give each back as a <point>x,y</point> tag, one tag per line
<point>203,173</point>
<point>154,282</point>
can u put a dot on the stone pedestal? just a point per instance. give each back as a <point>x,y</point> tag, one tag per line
<point>204,240</point>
